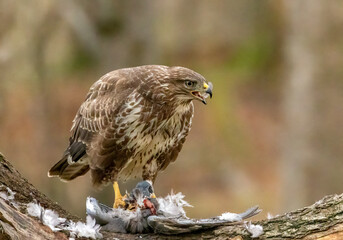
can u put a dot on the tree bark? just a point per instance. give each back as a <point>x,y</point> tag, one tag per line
<point>322,220</point>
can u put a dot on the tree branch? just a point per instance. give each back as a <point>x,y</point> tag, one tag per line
<point>322,220</point>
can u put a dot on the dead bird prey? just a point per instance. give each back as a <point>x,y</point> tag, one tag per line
<point>133,123</point>
<point>159,215</point>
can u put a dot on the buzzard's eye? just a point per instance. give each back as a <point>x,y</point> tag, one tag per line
<point>190,84</point>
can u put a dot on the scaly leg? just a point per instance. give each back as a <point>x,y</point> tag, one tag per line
<point>118,198</point>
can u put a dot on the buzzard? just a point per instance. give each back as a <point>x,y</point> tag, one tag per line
<point>132,123</point>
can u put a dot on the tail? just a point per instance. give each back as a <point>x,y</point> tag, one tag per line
<point>66,171</point>
<point>72,164</point>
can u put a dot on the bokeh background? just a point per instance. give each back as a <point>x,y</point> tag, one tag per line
<point>272,135</point>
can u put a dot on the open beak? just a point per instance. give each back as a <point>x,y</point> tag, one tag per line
<point>205,93</point>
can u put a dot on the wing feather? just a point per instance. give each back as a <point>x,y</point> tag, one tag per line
<point>94,115</point>
<point>96,112</point>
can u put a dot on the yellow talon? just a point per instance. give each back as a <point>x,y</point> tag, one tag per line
<point>118,198</point>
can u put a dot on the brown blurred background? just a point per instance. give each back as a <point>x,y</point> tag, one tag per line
<point>270,136</point>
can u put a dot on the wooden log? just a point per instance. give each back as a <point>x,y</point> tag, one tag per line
<point>322,220</point>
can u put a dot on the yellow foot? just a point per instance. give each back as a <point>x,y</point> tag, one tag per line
<point>118,198</point>
<point>119,202</point>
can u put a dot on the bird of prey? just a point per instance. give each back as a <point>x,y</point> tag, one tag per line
<point>132,123</point>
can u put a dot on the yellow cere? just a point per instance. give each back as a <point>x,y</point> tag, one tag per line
<point>205,85</point>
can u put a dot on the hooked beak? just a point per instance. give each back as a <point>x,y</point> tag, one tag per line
<point>205,93</point>
<point>209,89</point>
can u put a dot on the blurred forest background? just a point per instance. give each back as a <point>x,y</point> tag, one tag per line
<point>270,136</point>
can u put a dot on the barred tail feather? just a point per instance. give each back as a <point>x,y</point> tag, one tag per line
<point>66,171</point>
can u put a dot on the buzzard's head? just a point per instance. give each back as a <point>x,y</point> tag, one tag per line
<point>188,85</point>
<point>176,85</point>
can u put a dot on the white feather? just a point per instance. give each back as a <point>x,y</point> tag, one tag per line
<point>233,217</point>
<point>89,229</point>
<point>254,230</point>
<point>172,205</point>
<point>48,217</point>
<point>9,196</point>
<point>34,209</point>
<point>51,219</point>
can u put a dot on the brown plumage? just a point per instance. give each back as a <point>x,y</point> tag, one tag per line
<point>133,123</point>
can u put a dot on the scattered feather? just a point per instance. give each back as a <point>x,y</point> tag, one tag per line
<point>254,230</point>
<point>48,217</point>
<point>319,202</point>
<point>89,229</point>
<point>140,200</point>
<point>271,216</point>
<point>172,205</point>
<point>3,195</point>
<point>51,219</point>
<point>231,217</point>
<point>9,196</point>
<point>34,209</point>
